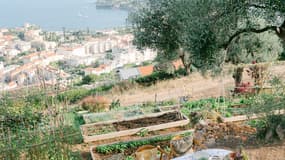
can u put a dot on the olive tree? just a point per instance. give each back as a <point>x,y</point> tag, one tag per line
<point>203,32</point>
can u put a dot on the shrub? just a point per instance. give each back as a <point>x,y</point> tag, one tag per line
<point>74,95</point>
<point>268,124</point>
<point>159,76</point>
<point>88,79</point>
<point>95,104</point>
<point>123,86</point>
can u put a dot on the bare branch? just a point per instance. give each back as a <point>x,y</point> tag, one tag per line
<point>248,30</point>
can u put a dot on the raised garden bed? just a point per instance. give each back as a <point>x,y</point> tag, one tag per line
<point>131,126</point>
<point>127,148</point>
<point>124,114</point>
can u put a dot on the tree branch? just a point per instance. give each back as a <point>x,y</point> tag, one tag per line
<point>247,30</point>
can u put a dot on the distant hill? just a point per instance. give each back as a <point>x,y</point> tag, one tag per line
<point>119,4</point>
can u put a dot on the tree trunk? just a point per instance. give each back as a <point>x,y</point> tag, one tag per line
<point>186,64</point>
<point>238,76</point>
<point>280,31</point>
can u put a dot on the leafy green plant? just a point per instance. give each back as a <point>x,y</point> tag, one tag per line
<point>143,132</point>
<point>115,104</point>
<point>130,158</point>
<point>122,146</point>
<point>205,104</point>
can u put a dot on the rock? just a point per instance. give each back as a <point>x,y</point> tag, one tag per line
<point>146,152</point>
<point>203,123</point>
<point>210,142</point>
<point>280,132</point>
<point>198,138</point>
<point>182,144</point>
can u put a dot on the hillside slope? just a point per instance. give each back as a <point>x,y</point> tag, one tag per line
<point>195,85</point>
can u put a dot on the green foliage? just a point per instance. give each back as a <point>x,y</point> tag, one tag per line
<point>130,158</point>
<point>22,113</point>
<point>59,64</point>
<point>77,94</point>
<point>88,79</point>
<point>225,106</point>
<point>73,95</point>
<point>211,103</point>
<point>146,63</point>
<point>282,55</point>
<point>23,54</point>
<point>115,104</point>
<point>45,141</point>
<point>201,32</point>
<point>267,124</point>
<point>96,64</point>
<point>261,48</point>
<point>21,36</point>
<point>159,76</point>
<point>143,132</point>
<point>167,103</point>
<point>109,56</point>
<point>269,104</point>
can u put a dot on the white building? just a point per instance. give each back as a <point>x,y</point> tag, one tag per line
<point>23,46</point>
<point>31,35</point>
<point>11,52</point>
<point>43,58</point>
<point>49,46</point>
<point>76,60</point>
<point>72,51</point>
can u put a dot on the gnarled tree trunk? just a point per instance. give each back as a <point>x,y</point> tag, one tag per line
<point>185,60</point>
<point>280,31</point>
<point>238,76</point>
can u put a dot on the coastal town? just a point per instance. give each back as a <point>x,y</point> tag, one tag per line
<point>30,56</point>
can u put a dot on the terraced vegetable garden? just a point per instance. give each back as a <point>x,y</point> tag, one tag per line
<point>133,123</point>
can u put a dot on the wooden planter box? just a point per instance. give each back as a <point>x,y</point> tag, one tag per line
<point>183,120</point>
<point>117,115</point>
<point>96,156</point>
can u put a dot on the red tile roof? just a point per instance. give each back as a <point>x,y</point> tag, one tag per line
<point>146,70</point>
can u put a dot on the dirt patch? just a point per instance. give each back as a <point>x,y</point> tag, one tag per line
<point>145,122</point>
<point>257,150</point>
<point>132,124</point>
<point>271,152</point>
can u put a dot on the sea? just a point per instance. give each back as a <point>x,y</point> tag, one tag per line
<point>54,15</point>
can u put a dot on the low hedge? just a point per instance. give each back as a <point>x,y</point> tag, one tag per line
<point>159,76</point>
